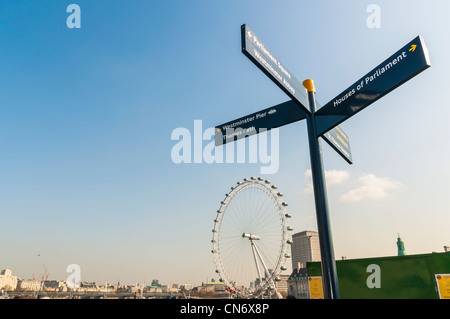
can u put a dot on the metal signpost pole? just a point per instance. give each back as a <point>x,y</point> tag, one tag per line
<point>329,273</point>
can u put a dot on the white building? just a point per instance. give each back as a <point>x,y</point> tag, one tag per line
<point>28,285</point>
<point>8,282</point>
<point>298,284</point>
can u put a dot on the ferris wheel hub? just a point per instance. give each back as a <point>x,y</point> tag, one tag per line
<point>250,236</point>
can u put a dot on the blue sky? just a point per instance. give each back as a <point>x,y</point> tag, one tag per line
<point>86,117</point>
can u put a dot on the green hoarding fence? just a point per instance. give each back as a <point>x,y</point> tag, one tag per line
<point>399,277</point>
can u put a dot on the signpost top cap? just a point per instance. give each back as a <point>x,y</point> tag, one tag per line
<point>309,85</point>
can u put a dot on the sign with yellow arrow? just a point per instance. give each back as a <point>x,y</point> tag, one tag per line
<point>403,65</point>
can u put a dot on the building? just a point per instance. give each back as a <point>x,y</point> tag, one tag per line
<point>153,289</point>
<point>186,287</point>
<point>88,287</point>
<point>54,285</point>
<point>123,289</point>
<point>305,248</point>
<point>155,283</point>
<point>282,285</point>
<point>28,285</point>
<point>8,282</point>
<point>298,284</point>
<point>210,288</point>
<point>214,286</point>
<point>172,290</point>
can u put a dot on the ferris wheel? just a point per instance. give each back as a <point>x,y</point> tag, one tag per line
<point>251,238</point>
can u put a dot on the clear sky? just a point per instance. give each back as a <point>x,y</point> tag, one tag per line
<point>86,117</point>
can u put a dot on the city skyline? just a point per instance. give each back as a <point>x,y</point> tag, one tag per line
<point>312,254</point>
<point>87,117</point>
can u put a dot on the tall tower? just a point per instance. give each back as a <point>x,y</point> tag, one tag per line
<point>400,246</point>
<point>305,247</point>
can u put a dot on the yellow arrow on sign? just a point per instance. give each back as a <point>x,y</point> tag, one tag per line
<point>413,47</point>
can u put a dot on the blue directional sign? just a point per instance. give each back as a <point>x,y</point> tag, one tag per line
<point>254,49</point>
<point>273,117</point>
<point>264,120</point>
<point>340,142</point>
<point>403,65</point>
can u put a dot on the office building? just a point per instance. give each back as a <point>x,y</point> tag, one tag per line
<point>305,248</point>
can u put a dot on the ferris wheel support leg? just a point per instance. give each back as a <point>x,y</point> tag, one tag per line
<point>256,261</point>
<point>269,276</point>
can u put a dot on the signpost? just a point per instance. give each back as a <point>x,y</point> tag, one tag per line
<point>323,122</point>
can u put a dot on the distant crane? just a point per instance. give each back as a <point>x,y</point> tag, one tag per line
<point>45,275</point>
